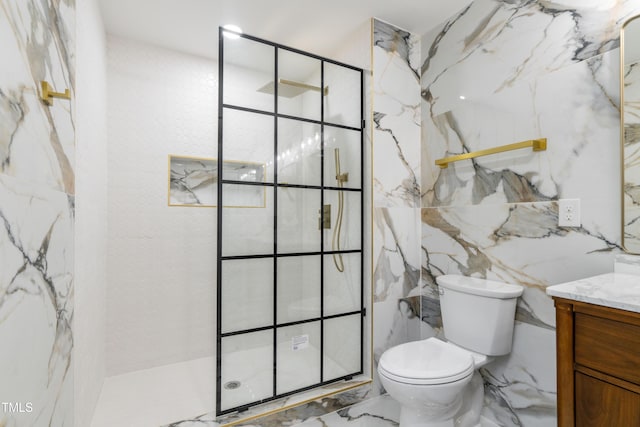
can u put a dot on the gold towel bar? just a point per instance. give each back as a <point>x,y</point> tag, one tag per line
<point>48,94</point>
<point>537,145</point>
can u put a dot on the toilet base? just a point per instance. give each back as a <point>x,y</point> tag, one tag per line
<point>412,417</point>
<point>463,412</point>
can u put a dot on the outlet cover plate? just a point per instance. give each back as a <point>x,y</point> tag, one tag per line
<point>569,213</point>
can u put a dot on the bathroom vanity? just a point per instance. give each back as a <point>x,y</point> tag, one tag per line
<point>598,350</point>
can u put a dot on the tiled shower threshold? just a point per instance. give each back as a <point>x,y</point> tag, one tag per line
<point>183,395</point>
<point>296,408</point>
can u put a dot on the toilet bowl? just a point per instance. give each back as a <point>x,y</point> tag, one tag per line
<point>427,377</point>
<point>436,381</point>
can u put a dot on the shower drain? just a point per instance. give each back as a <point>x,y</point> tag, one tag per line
<point>232,385</point>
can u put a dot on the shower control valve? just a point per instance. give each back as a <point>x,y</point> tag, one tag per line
<point>324,219</point>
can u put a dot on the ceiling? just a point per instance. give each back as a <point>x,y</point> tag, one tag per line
<point>317,26</point>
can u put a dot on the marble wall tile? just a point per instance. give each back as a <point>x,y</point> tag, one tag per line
<point>587,92</point>
<point>192,181</point>
<point>396,116</point>
<point>396,276</point>
<point>36,303</point>
<point>37,187</point>
<point>536,104</point>
<point>396,180</point>
<point>492,44</point>
<point>526,70</point>
<point>36,141</point>
<point>516,243</point>
<point>520,389</point>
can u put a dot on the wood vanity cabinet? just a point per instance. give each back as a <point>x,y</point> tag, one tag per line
<point>598,365</point>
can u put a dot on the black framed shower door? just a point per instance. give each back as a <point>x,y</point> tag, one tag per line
<point>290,306</point>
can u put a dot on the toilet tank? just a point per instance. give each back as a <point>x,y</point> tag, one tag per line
<point>478,314</point>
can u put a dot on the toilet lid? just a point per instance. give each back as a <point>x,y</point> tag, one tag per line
<point>429,361</point>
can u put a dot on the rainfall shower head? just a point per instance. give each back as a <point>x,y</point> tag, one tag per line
<point>290,89</point>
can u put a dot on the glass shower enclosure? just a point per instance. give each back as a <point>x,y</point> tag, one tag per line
<point>290,306</point>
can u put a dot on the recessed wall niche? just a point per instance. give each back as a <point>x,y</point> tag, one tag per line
<point>193,182</point>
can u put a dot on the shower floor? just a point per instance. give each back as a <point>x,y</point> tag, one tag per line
<point>157,396</point>
<point>256,383</point>
<point>185,391</point>
<point>181,395</point>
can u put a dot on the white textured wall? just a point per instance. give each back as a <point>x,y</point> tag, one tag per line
<point>161,260</point>
<point>91,210</point>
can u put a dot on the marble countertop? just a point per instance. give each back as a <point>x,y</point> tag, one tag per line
<point>616,290</point>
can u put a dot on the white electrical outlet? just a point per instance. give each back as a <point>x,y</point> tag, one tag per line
<point>569,213</point>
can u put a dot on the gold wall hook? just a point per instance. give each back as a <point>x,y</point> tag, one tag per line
<point>48,94</point>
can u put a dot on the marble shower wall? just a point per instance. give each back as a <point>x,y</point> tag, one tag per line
<point>526,70</point>
<point>396,188</point>
<point>396,116</point>
<point>37,146</point>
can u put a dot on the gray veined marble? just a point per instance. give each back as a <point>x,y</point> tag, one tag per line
<point>36,302</point>
<point>525,111</point>
<point>396,116</point>
<point>37,187</point>
<point>396,199</point>
<point>396,279</point>
<point>396,41</point>
<point>496,73</point>
<point>518,243</point>
<point>396,262</point>
<point>37,141</point>
<point>616,290</point>
<point>193,181</point>
<point>12,112</point>
<point>396,178</point>
<point>381,411</point>
<point>509,243</point>
<point>535,36</point>
<point>408,190</point>
<point>312,410</point>
<point>520,387</point>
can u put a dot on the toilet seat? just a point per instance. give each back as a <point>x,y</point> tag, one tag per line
<point>426,362</point>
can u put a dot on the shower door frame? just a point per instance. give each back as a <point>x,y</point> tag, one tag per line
<point>275,255</point>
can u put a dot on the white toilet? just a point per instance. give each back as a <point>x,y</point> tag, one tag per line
<point>436,382</point>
